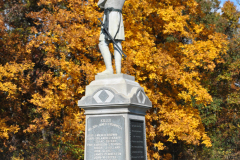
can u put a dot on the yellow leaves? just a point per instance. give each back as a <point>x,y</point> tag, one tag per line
<point>156,156</point>
<point>46,116</point>
<point>11,69</point>
<point>31,128</point>
<point>34,30</point>
<point>198,28</point>
<point>174,20</point>
<point>148,117</point>
<point>152,134</point>
<point>159,145</point>
<point>9,72</point>
<point>50,101</point>
<point>141,78</point>
<point>8,87</point>
<point>155,117</point>
<point>206,140</point>
<point>73,123</point>
<point>63,86</point>
<point>184,95</point>
<point>17,158</point>
<point>202,53</point>
<point>46,2</point>
<point>5,129</point>
<point>80,90</point>
<point>183,124</point>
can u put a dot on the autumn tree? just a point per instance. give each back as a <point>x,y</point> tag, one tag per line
<point>53,53</point>
<point>22,74</point>
<point>221,117</point>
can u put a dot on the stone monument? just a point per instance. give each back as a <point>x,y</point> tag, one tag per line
<point>115,105</point>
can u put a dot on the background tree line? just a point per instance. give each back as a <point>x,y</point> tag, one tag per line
<point>183,52</point>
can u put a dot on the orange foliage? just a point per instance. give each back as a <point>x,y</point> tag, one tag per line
<point>166,50</point>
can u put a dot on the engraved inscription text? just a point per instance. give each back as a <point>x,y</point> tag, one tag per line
<point>105,138</point>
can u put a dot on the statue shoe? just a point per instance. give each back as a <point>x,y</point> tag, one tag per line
<point>106,72</point>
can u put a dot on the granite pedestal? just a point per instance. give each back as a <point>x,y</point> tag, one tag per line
<point>115,108</point>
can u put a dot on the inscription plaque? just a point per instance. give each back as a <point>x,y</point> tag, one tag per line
<point>137,140</point>
<point>105,138</point>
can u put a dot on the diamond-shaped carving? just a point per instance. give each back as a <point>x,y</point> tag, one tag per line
<point>103,96</point>
<point>144,97</point>
<point>110,94</point>
<point>96,97</point>
<point>141,97</point>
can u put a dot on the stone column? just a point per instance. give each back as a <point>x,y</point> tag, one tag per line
<point>115,107</point>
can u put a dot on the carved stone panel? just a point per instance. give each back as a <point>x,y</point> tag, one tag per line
<point>137,139</point>
<point>105,138</point>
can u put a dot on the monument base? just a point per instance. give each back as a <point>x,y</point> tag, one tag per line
<point>115,108</point>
